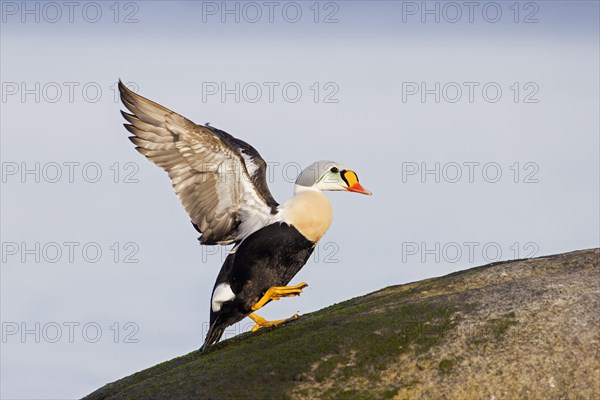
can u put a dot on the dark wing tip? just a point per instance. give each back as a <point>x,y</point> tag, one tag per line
<point>124,91</point>
<point>135,140</point>
<point>122,86</point>
<point>131,129</point>
<point>131,118</point>
<point>127,95</point>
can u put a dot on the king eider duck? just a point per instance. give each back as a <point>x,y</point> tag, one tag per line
<point>221,182</point>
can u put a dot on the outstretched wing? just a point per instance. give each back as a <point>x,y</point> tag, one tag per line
<point>219,179</point>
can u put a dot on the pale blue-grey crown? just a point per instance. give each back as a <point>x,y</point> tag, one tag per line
<point>311,174</point>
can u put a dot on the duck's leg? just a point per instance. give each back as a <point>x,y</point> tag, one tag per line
<point>263,323</point>
<point>277,292</point>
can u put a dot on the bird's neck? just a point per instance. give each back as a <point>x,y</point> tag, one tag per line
<point>310,212</point>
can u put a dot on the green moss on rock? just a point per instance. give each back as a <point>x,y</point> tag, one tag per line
<point>448,337</point>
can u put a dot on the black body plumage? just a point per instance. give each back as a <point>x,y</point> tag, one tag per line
<point>269,257</point>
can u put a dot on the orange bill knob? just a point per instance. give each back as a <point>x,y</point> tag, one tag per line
<point>352,181</point>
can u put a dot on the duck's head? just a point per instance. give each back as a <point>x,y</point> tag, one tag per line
<point>328,175</point>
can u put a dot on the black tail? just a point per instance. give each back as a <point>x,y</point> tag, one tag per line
<point>214,334</point>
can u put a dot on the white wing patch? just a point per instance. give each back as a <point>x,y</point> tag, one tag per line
<point>221,294</point>
<point>251,166</point>
<point>253,218</point>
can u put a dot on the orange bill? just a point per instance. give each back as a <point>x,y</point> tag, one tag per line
<point>353,185</point>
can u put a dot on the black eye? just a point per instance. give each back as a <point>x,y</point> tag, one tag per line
<point>334,170</point>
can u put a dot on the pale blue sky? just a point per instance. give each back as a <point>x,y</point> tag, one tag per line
<point>358,106</point>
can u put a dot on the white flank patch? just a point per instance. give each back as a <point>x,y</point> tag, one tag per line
<point>221,294</point>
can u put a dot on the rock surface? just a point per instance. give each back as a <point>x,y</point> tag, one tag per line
<point>523,329</point>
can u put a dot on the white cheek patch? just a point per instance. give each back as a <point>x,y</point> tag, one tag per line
<point>221,294</point>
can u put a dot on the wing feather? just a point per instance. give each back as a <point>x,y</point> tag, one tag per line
<point>220,180</point>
